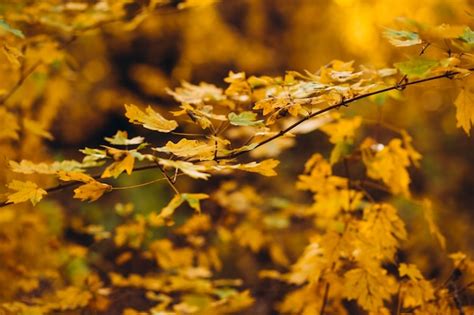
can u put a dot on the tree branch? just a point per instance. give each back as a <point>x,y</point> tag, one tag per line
<point>448,74</point>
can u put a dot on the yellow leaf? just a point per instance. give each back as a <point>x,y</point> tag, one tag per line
<point>433,227</point>
<point>190,148</point>
<point>197,94</point>
<point>150,120</point>
<point>341,130</point>
<point>28,167</point>
<point>13,55</point>
<point>36,128</point>
<point>195,3</point>
<point>465,108</point>
<point>382,229</point>
<point>416,290</point>
<point>121,138</point>
<point>265,168</point>
<point>410,270</point>
<point>388,164</point>
<point>116,168</point>
<point>91,191</point>
<point>74,176</point>
<point>168,211</point>
<point>414,155</point>
<point>25,191</point>
<point>178,199</point>
<point>9,123</point>
<point>190,169</point>
<point>193,200</point>
<point>369,286</point>
<point>70,298</point>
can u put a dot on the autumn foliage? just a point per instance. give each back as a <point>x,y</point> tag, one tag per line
<point>204,177</point>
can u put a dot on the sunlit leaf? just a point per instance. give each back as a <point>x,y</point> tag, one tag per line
<point>91,191</point>
<point>244,119</point>
<point>468,36</point>
<point>465,108</point>
<point>74,176</point>
<point>265,168</point>
<point>121,138</point>
<point>402,38</point>
<point>25,191</point>
<point>369,286</point>
<point>418,67</point>
<point>197,94</point>
<point>125,164</point>
<point>410,271</point>
<point>190,169</point>
<point>150,120</point>
<point>190,148</point>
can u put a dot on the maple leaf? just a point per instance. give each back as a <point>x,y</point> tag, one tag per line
<point>190,148</point>
<point>197,94</point>
<point>416,291</point>
<point>265,168</point>
<point>28,167</point>
<point>25,191</point>
<point>121,138</point>
<point>91,191</point>
<point>190,169</point>
<point>465,107</point>
<point>418,67</point>
<point>389,164</point>
<point>150,120</point>
<point>244,119</point>
<point>74,176</point>
<point>410,270</point>
<point>178,199</point>
<point>369,286</point>
<point>382,229</point>
<point>36,128</point>
<point>116,168</point>
<point>467,36</point>
<point>402,38</point>
<point>70,298</point>
<point>342,129</point>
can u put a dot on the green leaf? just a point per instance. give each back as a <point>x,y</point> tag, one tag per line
<point>417,67</point>
<point>467,36</point>
<point>244,119</point>
<point>402,38</point>
<point>5,26</point>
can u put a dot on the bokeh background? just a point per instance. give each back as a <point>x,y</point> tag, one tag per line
<point>81,101</point>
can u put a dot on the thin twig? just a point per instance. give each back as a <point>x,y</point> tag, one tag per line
<point>168,179</point>
<point>399,301</point>
<point>325,298</point>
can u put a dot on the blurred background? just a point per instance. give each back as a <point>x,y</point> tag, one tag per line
<point>80,100</point>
